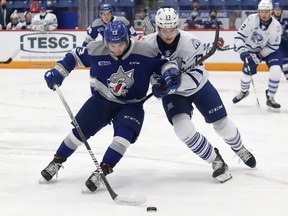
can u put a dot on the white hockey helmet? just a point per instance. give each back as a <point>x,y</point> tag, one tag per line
<point>265,5</point>
<point>166,18</point>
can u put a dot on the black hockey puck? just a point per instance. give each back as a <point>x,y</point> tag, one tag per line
<point>151,209</point>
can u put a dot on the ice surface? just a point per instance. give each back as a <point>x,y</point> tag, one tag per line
<point>33,122</point>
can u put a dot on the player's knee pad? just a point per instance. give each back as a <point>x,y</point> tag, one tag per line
<point>183,126</point>
<point>119,144</point>
<point>72,141</point>
<point>225,128</point>
<point>275,72</point>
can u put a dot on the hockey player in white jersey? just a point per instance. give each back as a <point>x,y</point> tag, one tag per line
<point>44,21</point>
<point>196,89</point>
<point>258,40</point>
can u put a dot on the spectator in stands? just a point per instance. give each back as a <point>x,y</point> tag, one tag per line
<point>14,24</point>
<point>212,20</point>
<point>196,3</point>
<point>195,21</point>
<point>146,23</point>
<point>44,21</point>
<point>27,24</point>
<point>5,14</point>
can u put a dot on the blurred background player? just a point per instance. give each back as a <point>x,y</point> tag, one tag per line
<point>196,89</point>
<point>97,27</point>
<point>14,24</point>
<point>120,92</point>
<point>44,21</point>
<point>96,32</point>
<point>5,14</point>
<point>278,14</point>
<point>146,23</point>
<point>257,40</point>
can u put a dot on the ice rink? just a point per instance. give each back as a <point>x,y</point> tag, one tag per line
<point>33,122</point>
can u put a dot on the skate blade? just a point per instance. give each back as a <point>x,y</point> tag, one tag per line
<point>224,177</point>
<point>86,191</point>
<point>271,109</point>
<point>43,181</point>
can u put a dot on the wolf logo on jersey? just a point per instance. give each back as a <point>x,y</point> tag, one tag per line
<point>257,38</point>
<point>120,82</point>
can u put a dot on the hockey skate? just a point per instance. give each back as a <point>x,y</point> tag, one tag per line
<point>52,168</point>
<point>94,181</point>
<point>246,156</point>
<point>240,96</point>
<point>220,168</point>
<point>271,103</point>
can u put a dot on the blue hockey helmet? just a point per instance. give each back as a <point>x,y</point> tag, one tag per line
<point>116,32</point>
<point>105,8</point>
<point>277,5</point>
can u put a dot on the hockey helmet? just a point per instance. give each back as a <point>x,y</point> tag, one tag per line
<point>105,8</point>
<point>265,5</point>
<point>277,5</point>
<point>167,18</point>
<point>116,32</point>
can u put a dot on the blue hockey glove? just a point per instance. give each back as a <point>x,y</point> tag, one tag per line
<point>160,89</point>
<point>250,59</point>
<point>171,75</point>
<point>53,77</point>
<point>166,85</point>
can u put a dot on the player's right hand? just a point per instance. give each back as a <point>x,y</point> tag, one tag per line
<point>53,77</point>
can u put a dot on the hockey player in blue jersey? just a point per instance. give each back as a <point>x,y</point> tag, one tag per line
<point>278,14</point>
<point>124,67</point>
<point>257,40</point>
<point>97,27</point>
<point>195,89</point>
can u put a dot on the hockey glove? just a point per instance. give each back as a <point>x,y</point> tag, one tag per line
<point>250,59</point>
<point>160,89</point>
<point>167,84</point>
<point>220,42</point>
<point>55,76</point>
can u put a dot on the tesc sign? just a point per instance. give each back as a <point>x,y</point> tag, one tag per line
<point>49,42</point>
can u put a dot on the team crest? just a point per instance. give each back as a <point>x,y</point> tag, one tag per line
<point>257,38</point>
<point>119,82</point>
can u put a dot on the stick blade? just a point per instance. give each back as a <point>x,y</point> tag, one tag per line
<point>135,201</point>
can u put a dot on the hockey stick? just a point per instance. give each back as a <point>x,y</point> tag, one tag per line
<point>118,199</point>
<point>225,48</point>
<point>253,84</point>
<point>210,53</point>
<point>15,53</point>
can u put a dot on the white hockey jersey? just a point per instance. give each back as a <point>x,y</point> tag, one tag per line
<point>188,50</point>
<point>11,26</point>
<point>254,37</point>
<point>44,23</point>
